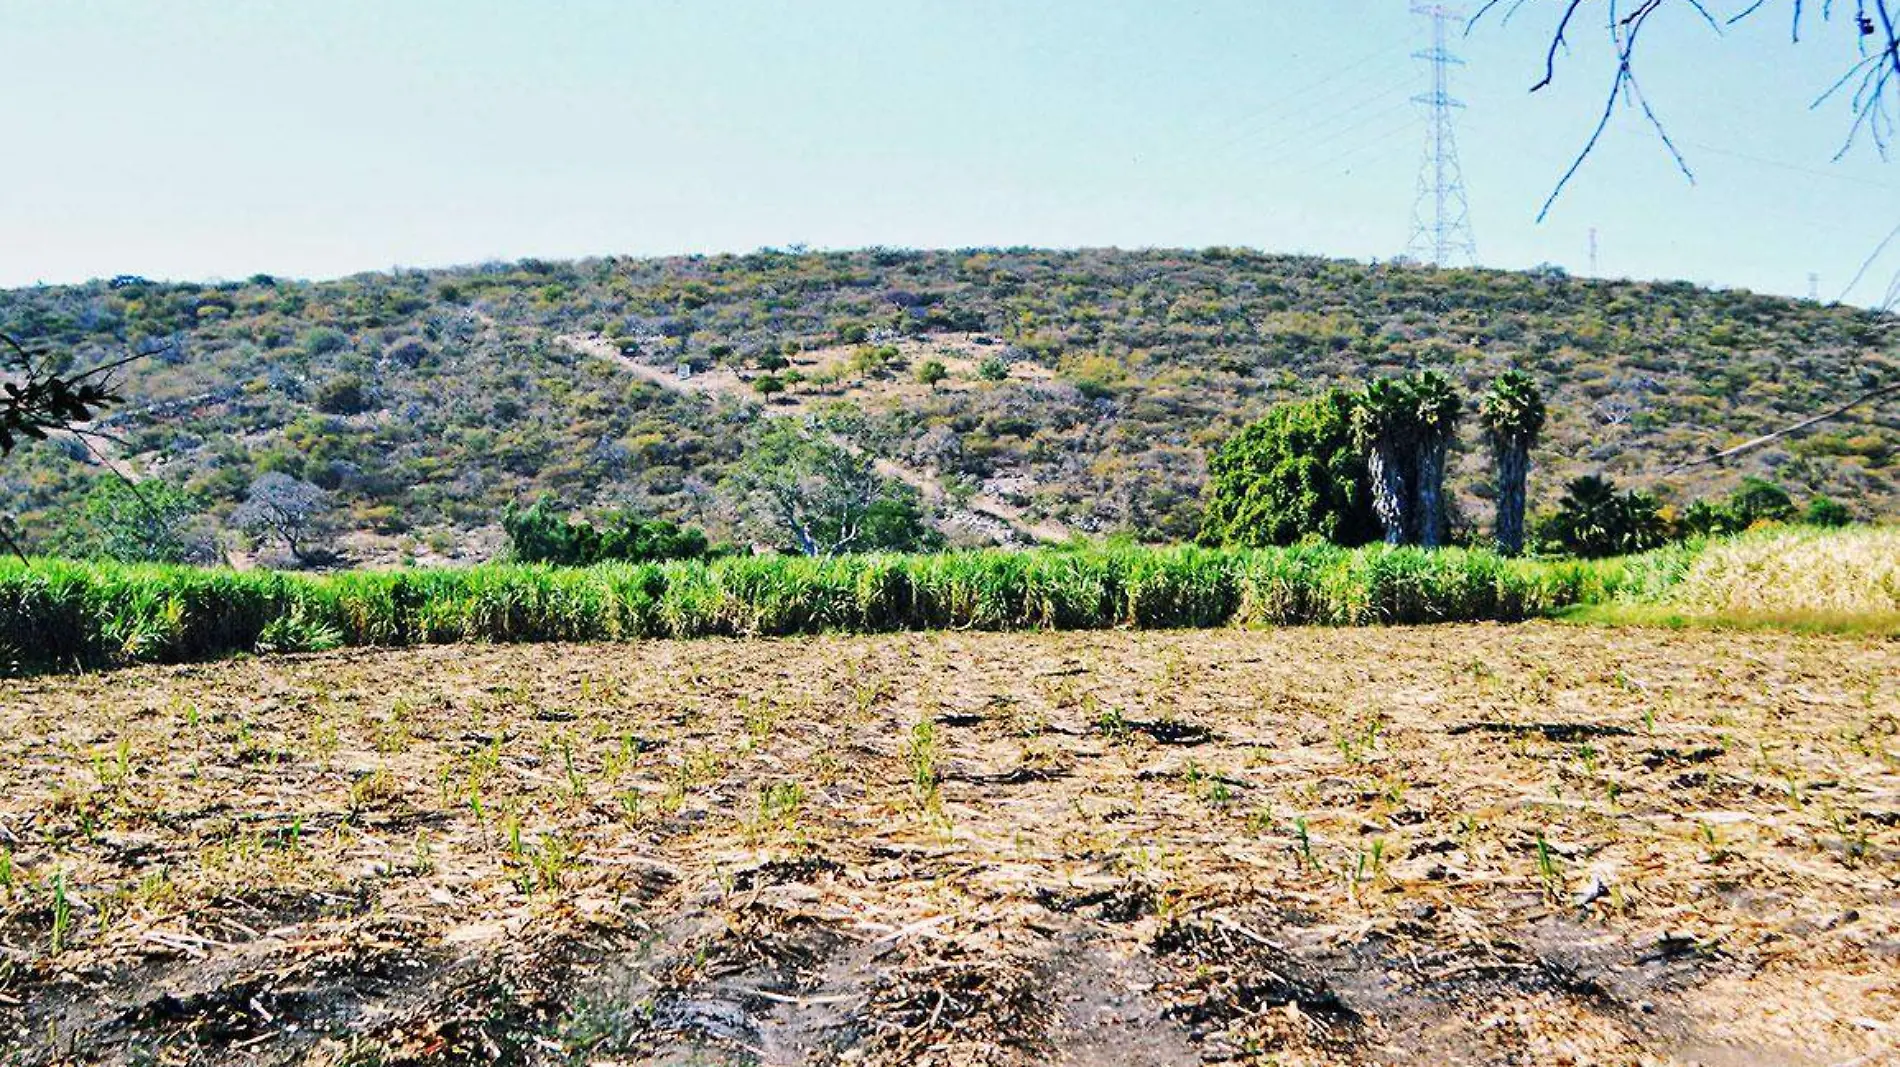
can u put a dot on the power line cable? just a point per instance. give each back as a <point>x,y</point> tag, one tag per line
<point>1330,118</point>
<point>1794,167</point>
<point>1355,127</point>
<point>1281,100</point>
<point>1388,138</point>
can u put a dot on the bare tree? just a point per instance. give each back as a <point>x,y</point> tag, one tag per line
<point>290,509</point>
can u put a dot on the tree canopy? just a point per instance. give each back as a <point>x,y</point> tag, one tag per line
<point>1297,472</point>
<point>1594,520</point>
<point>810,494</point>
<point>150,522</point>
<point>287,509</point>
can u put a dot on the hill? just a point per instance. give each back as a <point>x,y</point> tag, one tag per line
<point>1083,390</point>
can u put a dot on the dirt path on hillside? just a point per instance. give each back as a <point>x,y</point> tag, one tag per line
<point>1437,846</point>
<point>984,513</point>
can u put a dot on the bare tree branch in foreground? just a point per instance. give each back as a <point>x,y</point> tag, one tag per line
<point>1870,84</point>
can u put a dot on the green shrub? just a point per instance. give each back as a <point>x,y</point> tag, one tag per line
<point>151,522</point>
<point>344,394</point>
<point>1760,500</point>
<point>1822,511</point>
<point>537,535</point>
<point>323,340</point>
<point>1296,473</point>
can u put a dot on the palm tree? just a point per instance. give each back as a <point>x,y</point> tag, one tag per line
<point>1383,422</point>
<point>1593,520</point>
<point>1436,407</point>
<point>1512,414</point>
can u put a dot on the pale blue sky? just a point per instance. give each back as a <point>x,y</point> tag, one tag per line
<point>198,139</point>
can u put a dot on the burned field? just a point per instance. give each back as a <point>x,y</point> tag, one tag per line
<point>1460,844</point>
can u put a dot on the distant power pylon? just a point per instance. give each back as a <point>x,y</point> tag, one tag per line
<point>1814,287</point>
<point>1441,217</point>
<point>1595,271</point>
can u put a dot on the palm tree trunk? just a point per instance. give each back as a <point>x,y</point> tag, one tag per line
<point>1389,493</point>
<point>1514,462</point>
<point>1430,513</point>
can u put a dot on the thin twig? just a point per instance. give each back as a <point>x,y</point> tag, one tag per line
<point>1875,76</point>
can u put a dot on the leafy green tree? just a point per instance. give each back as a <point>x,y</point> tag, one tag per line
<point>1706,518</point>
<point>932,371</point>
<point>537,535</point>
<point>768,385</point>
<point>895,523</point>
<point>629,537</point>
<point>1593,520</point>
<point>1512,414</point>
<point>1385,427</point>
<point>1295,473</point>
<point>1755,500</point>
<point>1760,500</point>
<point>1436,409</point>
<point>151,522</point>
<point>820,499</point>
<point>993,369</point>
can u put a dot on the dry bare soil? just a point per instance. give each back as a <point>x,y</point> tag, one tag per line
<point>1473,844</point>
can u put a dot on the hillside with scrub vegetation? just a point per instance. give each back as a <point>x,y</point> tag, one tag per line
<point>1004,396</point>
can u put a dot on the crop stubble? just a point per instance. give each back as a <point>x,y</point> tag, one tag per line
<point>1537,844</point>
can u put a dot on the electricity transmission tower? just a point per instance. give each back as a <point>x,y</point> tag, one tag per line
<point>1441,217</point>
